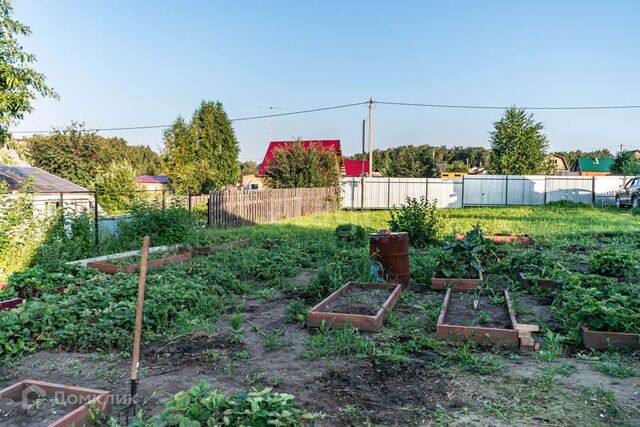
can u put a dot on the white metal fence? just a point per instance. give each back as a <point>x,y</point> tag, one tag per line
<point>481,190</point>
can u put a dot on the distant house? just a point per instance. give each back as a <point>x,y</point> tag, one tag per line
<point>354,168</point>
<point>593,166</point>
<point>558,162</point>
<point>348,168</point>
<point>49,191</point>
<point>252,182</point>
<point>153,182</point>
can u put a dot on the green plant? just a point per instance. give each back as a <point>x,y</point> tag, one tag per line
<point>616,369</point>
<point>421,219</point>
<point>552,346</point>
<point>296,311</point>
<point>237,320</point>
<point>613,262</point>
<point>339,342</point>
<point>202,405</point>
<point>468,360</point>
<point>273,341</point>
<point>463,258</point>
<point>351,233</point>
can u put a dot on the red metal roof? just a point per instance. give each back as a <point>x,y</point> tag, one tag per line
<point>152,179</point>
<point>326,144</point>
<point>354,167</point>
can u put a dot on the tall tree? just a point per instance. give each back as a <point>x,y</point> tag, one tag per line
<point>19,83</point>
<point>80,155</point>
<point>517,144</point>
<point>117,187</point>
<point>248,168</point>
<point>297,167</point>
<point>202,155</point>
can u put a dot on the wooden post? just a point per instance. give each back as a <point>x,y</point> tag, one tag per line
<point>137,335</point>
<point>210,209</point>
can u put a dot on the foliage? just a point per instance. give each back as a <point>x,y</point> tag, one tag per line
<point>613,262</point>
<point>117,188</point>
<point>599,303</point>
<point>202,155</point>
<point>80,155</point>
<point>343,341</point>
<point>19,83</point>
<point>462,258</point>
<point>21,231</point>
<point>517,144</point>
<point>413,161</point>
<point>421,219</point>
<point>248,168</point>
<point>571,156</point>
<point>351,233</point>
<point>626,163</point>
<point>470,361</point>
<point>457,166</point>
<point>201,405</point>
<point>297,166</point>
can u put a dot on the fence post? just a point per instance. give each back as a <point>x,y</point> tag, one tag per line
<point>96,229</point>
<point>61,202</point>
<point>163,201</point>
<point>506,190</point>
<point>593,190</point>
<point>210,209</point>
<point>189,202</point>
<point>389,193</point>
<point>545,189</point>
<point>462,199</point>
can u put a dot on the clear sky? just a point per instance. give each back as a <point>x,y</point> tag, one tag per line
<point>131,63</point>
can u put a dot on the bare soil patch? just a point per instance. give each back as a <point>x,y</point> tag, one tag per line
<point>487,314</point>
<point>359,300</point>
<point>41,412</point>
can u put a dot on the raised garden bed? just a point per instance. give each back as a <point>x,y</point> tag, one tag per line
<point>542,283</point>
<point>459,320</point>
<point>440,283</point>
<point>500,239</point>
<point>598,340</point>
<point>362,305</point>
<point>206,250</point>
<point>58,405</point>
<point>128,265</point>
<point>10,303</point>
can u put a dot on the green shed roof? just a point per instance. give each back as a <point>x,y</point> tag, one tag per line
<point>594,164</point>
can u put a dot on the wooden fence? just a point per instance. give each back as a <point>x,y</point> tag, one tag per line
<point>233,208</point>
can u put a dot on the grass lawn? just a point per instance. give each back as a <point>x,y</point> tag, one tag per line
<point>236,318</point>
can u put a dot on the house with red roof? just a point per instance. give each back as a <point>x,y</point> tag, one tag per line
<point>349,168</point>
<point>153,182</point>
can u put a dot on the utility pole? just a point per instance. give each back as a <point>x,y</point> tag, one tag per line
<point>362,174</point>
<point>370,137</point>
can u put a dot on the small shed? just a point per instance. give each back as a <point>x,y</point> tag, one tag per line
<point>50,191</point>
<point>153,182</point>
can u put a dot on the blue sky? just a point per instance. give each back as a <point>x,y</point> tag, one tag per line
<point>130,63</point>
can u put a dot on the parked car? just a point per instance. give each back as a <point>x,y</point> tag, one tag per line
<point>629,193</point>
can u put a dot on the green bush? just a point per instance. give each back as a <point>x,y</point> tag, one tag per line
<point>613,262</point>
<point>351,233</point>
<point>420,219</point>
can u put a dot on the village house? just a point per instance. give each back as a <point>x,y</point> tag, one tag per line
<point>593,166</point>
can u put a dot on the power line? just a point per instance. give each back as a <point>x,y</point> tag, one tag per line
<point>496,107</point>
<point>240,119</point>
<point>395,103</point>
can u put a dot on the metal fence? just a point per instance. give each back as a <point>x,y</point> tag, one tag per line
<point>480,190</point>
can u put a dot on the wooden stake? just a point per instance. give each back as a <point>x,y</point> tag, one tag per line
<point>135,355</point>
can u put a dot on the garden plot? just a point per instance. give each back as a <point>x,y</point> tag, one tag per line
<point>131,264</point>
<point>236,318</point>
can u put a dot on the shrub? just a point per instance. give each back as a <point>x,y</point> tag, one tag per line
<point>420,219</point>
<point>351,233</point>
<point>613,262</point>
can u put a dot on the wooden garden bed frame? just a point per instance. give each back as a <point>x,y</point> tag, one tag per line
<point>599,340</point>
<point>107,267</point>
<point>440,283</point>
<point>542,283</point>
<point>479,334</point>
<point>316,315</point>
<point>83,396</point>
<point>10,303</point>
<point>500,239</point>
<point>206,250</point>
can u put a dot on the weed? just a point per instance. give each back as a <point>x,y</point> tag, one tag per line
<point>273,341</point>
<point>237,320</point>
<point>552,346</point>
<point>616,369</point>
<point>296,311</point>
<point>241,355</point>
<point>441,417</point>
<point>466,359</point>
<point>339,342</point>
